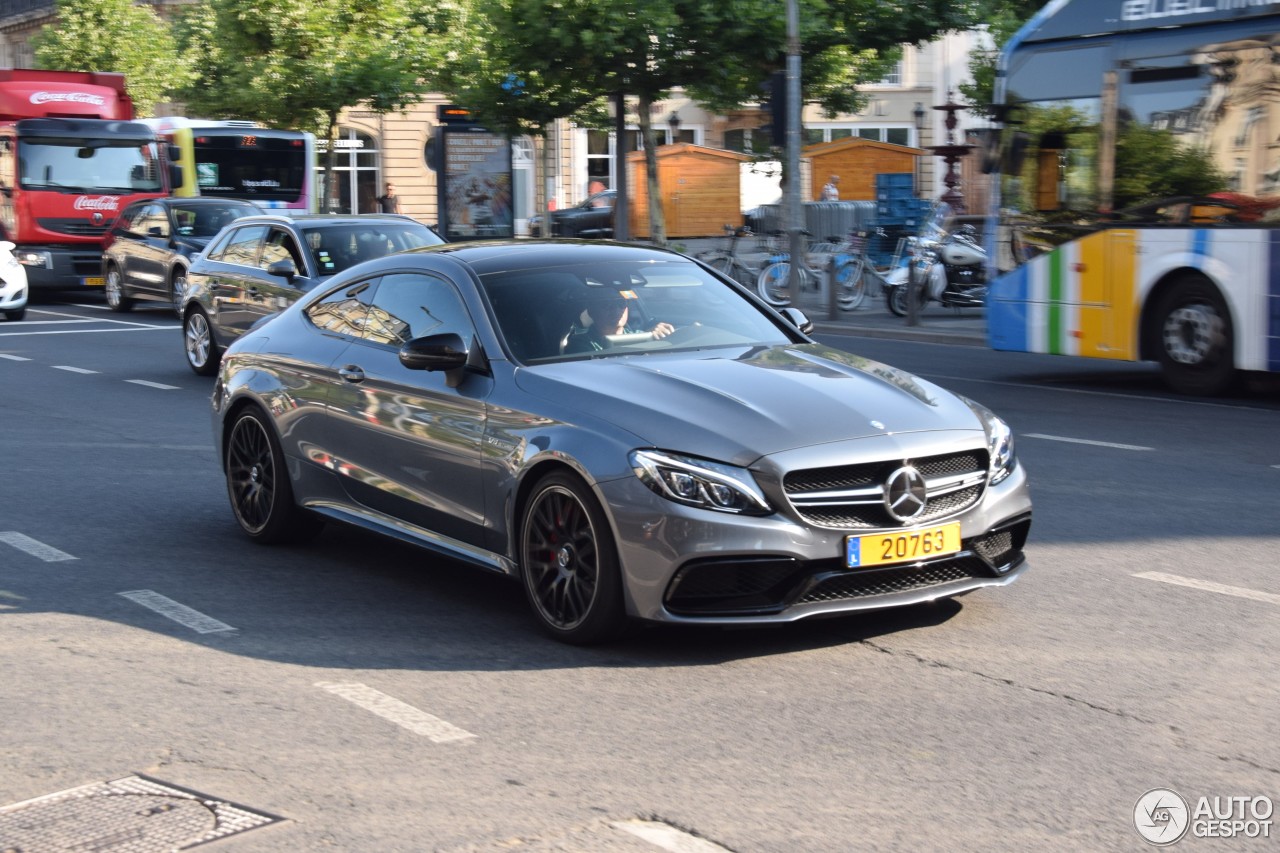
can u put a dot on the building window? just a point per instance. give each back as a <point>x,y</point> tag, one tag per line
<point>894,77</point>
<point>355,174</point>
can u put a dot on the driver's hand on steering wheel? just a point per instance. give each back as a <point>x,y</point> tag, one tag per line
<point>661,330</point>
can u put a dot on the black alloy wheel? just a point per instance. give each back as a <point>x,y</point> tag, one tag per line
<point>258,484</point>
<point>569,563</point>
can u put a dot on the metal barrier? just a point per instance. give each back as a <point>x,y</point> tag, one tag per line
<point>823,219</point>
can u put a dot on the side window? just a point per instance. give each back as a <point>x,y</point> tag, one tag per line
<point>153,217</point>
<point>243,246</point>
<point>344,310</point>
<point>127,223</point>
<point>413,305</point>
<point>280,246</point>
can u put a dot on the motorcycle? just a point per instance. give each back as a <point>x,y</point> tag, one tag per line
<point>951,261</point>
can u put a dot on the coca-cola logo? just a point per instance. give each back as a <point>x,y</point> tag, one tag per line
<point>102,202</point>
<point>68,97</point>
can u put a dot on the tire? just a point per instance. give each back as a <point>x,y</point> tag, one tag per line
<point>15,316</point>
<point>771,284</point>
<point>1195,338</point>
<point>203,352</point>
<point>177,287</point>
<point>114,291</point>
<point>569,563</point>
<point>895,298</point>
<point>258,484</point>
<point>851,285</point>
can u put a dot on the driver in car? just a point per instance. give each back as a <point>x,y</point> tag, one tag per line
<point>606,317</point>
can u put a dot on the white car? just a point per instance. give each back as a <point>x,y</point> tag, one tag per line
<point>13,284</point>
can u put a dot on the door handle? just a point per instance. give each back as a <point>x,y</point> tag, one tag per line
<point>351,373</point>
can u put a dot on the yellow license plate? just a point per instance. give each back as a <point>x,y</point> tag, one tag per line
<point>94,281</point>
<point>902,546</point>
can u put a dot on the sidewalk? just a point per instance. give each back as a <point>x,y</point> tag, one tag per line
<point>873,319</point>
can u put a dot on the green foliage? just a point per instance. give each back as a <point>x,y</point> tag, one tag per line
<point>115,35</point>
<point>298,64</point>
<point>1003,19</point>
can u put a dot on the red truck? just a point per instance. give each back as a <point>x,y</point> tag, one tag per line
<point>70,158</point>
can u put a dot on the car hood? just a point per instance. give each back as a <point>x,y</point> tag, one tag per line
<point>192,244</point>
<point>739,405</point>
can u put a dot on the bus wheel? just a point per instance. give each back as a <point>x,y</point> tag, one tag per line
<point>1195,338</point>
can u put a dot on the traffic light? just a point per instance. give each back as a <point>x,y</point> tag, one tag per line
<point>775,101</point>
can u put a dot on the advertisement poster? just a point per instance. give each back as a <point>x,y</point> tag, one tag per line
<point>478,201</point>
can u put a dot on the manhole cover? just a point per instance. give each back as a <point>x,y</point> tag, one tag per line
<point>130,815</point>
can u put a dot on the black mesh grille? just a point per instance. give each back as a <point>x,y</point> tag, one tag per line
<point>77,227</point>
<point>889,581</point>
<point>732,585</point>
<point>873,514</point>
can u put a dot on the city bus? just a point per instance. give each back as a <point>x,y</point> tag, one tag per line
<point>241,159</point>
<point>1137,212</point>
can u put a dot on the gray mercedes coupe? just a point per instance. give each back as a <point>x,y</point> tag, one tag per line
<point>626,432</point>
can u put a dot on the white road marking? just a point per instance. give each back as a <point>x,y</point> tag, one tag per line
<point>150,384</point>
<point>89,331</point>
<point>71,369</point>
<point>80,321</point>
<point>400,713</point>
<point>667,837</point>
<point>1210,586</point>
<point>1038,387</point>
<point>34,547</point>
<point>20,358</point>
<point>1084,441</point>
<point>180,613</point>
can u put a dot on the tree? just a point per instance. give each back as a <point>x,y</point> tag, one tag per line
<point>1003,20</point>
<point>587,50</point>
<point>115,35</point>
<point>301,64</point>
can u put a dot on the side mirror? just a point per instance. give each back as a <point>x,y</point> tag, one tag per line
<point>445,352</point>
<point>175,176</point>
<point>284,269</point>
<point>798,319</point>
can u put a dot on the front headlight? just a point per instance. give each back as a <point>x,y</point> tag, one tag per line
<point>700,482</point>
<point>999,443</point>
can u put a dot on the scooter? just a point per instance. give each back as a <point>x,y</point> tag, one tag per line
<point>13,284</point>
<point>951,261</point>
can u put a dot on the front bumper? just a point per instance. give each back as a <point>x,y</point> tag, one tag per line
<point>683,564</point>
<point>13,294</point>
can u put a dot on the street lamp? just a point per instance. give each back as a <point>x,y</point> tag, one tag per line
<point>673,121</point>
<point>918,114</point>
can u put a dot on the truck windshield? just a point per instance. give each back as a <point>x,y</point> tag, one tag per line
<point>88,165</point>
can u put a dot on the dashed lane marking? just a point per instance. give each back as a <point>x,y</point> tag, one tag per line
<point>400,713</point>
<point>13,357</point>
<point>71,369</point>
<point>180,613</point>
<point>1210,586</point>
<point>667,837</point>
<point>150,384</point>
<point>34,547</point>
<point>1064,438</point>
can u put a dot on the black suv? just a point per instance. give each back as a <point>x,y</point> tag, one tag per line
<point>261,264</point>
<point>150,245</point>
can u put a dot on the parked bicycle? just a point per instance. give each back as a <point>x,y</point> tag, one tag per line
<point>773,280</point>
<point>727,260</point>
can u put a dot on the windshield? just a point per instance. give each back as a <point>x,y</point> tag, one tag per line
<point>938,224</point>
<point>616,308</point>
<point>337,247</point>
<point>82,165</point>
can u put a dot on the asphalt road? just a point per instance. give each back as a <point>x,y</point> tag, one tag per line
<point>361,695</point>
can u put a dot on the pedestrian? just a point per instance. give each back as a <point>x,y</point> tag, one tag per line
<point>831,190</point>
<point>389,202</point>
